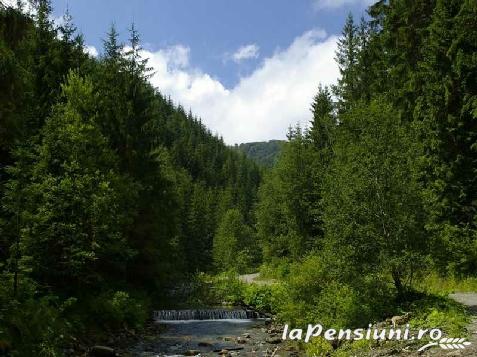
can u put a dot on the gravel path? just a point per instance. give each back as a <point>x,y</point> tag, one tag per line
<point>470,301</point>
<point>255,278</point>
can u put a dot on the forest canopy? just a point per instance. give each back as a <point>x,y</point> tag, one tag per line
<point>112,196</point>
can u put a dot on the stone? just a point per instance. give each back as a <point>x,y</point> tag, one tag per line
<point>274,340</point>
<point>192,353</point>
<point>204,344</point>
<point>246,335</point>
<point>101,351</point>
<point>241,340</point>
<point>454,353</point>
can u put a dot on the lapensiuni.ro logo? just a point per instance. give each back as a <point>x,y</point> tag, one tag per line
<point>373,333</point>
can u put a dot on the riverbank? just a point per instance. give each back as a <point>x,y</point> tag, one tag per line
<point>212,338</point>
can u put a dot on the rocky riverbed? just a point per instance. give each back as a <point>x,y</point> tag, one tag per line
<point>213,338</point>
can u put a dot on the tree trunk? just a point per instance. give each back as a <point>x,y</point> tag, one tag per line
<point>397,282</point>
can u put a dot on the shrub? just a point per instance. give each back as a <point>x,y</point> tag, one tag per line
<point>264,298</point>
<point>277,268</point>
<point>228,288</point>
<point>31,325</point>
<point>117,308</point>
<point>318,346</point>
<point>439,312</point>
<point>313,296</point>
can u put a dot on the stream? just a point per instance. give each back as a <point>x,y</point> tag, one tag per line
<point>209,333</point>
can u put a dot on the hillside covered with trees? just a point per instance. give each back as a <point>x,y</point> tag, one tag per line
<point>112,195</point>
<point>380,191</point>
<point>264,152</point>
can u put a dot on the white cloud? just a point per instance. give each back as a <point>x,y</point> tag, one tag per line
<point>91,50</point>
<point>246,52</point>
<point>335,4</point>
<point>13,3</point>
<point>262,105</point>
<point>9,3</point>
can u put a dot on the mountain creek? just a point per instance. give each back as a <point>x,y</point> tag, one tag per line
<point>240,331</point>
<point>262,337</point>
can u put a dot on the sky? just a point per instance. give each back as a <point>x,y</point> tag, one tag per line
<point>248,68</point>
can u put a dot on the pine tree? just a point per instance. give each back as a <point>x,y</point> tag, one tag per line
<point>111,45</point>
<point>232,243</point>
<point>347,59</point>
<point>446,121</point>
<point>287,225</point>
<point>71,47</point>
<point>84,202</point>
<point>323,121</point>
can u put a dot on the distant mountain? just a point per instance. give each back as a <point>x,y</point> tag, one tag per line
<point>265,153</point>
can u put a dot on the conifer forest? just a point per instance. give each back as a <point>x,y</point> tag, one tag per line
<point>116,201</point>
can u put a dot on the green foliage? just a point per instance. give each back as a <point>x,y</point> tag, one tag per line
<point>264,153</point>
<point>234,243</point>
<point>117,309</point>
<point>347,56</point>
<point>373,210</point>
<point>32,325</point>
<point>83,203</point>
<point>286,212</point>
<point>106,186</point>
<point>310,295</point>
<point>382,187</point>
<point>441,312</point>
<point>356,348</point>
<point>435,284</point>
<point>277,268</point>
<point>228,288</point>
<point>318,347</point>
<point>265,298</point>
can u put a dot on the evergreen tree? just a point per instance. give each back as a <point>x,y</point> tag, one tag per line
<point>446,120</point>
<point>287,223</point>
<point>347,56</point>
<point>233,243</point>
<point>323,121</point>
<point>84,203</point>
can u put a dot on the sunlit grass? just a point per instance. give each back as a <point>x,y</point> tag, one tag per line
<point>435,284</point>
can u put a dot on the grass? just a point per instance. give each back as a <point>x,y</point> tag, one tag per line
<point>429,305</point>
<point>436,284</point>
<point>434,311</point>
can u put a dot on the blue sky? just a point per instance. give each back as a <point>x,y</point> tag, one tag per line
<point>248,68</point>
<point>210,28</point>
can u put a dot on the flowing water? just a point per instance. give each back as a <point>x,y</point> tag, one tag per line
<point>204,314</point>
<point>205,330</point>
